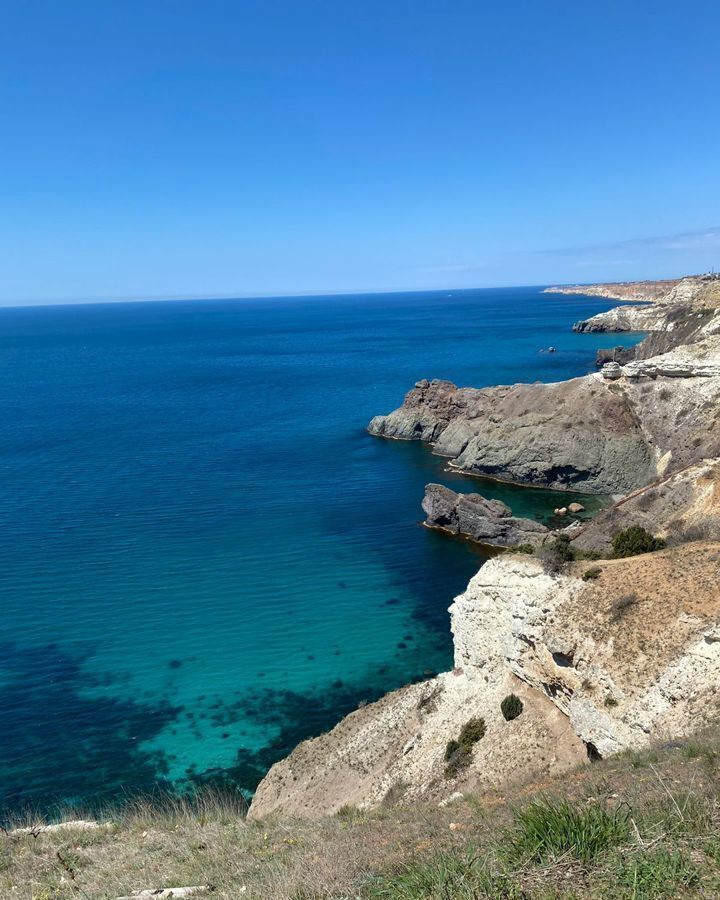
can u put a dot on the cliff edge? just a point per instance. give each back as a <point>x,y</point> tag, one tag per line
<point>551,667</point>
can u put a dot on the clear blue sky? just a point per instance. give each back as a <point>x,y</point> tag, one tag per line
<point>157,148</point>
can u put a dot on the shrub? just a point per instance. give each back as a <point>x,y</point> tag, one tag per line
<point>586,554</point>
<point>524,548</point>
<point>458,753</point>
<point>592,574</point>
<point>452,747</point>
<point>511,707</point>
<point>472,732</point>
<point>548,828</point>
<point>633,541</point>
<point>556,554</point>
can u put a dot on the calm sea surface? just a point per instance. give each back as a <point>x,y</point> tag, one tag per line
<point>204,557</point>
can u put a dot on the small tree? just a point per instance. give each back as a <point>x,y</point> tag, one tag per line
<point>635,540</point>
<point>511,707</point>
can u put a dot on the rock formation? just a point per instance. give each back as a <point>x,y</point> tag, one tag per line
<point>611,432</point>
<point>489,522</point>
<point>682,507</point>
<point>633,291</point>
<point>600,665</point>
<point>604,656</point>
<point>693,295</point>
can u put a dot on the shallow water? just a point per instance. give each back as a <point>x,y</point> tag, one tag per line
<point>205,558</point>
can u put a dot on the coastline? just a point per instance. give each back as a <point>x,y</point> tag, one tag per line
<point>512,609</point>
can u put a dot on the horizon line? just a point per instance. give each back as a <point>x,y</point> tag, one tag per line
<point>190,298</point>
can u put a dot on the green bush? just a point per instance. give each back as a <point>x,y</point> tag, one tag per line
<point>549,828</point>
<point>587,555</point>
<point>452,747</point>
<point>472,732</point>
<point>635,540</point>
<point>592,574</point>
<point>524,548</point>
<point>511,707</point>
<point>458,753</point>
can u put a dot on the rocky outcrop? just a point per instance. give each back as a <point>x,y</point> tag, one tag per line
<point>630,657</point>
<point>571,435</point>
<point>680,508</point>
<point>610,432</point>
<point>668,311</point>
<point>625,318</point>
<point>489,522</point>
<point>635,291</point>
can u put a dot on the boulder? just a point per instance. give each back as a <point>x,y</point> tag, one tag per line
<point>611,371</point>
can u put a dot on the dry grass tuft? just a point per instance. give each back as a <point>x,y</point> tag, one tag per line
<point>639,825</point>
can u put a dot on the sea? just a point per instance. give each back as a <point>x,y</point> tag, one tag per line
<point>204,557</point>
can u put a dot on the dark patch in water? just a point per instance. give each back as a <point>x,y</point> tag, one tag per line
<point>60,745</point>
<point>300,716</point>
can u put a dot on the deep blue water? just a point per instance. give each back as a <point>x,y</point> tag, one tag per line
<point>204,556</point>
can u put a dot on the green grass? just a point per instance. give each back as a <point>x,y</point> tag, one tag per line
<point>445,876</point>
<point>637,826</point>
<point>549,828</point>
<point>656,874</point>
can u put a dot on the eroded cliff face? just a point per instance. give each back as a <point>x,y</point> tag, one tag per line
<point>669,307</point>
<point>630,657</point>
<point>636,291</point>
<point>593,434</point>
<point>680,507</point>
<point>579,434</point>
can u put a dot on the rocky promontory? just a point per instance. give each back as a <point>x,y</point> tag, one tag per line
<point>610,432</point>
<point>488,522</point>
<point>555,665</point>
<point>629,291</point>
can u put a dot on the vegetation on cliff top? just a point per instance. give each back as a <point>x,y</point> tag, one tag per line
<point>638,826</point>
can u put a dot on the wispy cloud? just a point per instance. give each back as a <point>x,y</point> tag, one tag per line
<point>705,239</point>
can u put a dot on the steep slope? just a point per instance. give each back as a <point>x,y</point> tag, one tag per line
<point>600,665</point>
<point>610,432</point>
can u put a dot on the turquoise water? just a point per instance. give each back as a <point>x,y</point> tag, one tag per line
<point>204,556</point>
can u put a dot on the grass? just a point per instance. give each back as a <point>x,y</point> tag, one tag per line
<point>550,828</point>
<point>639,826</point>
<point>656,874</point>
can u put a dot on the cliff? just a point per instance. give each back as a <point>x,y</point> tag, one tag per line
<point>634,291</point>
<point>602,657</point>
<point>607,435</point>
<point>667,310</point>
<point>599,665</point>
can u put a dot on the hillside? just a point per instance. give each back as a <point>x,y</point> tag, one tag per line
<point>640,826</point>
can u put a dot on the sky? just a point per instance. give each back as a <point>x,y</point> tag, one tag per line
<point>171,148</point>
